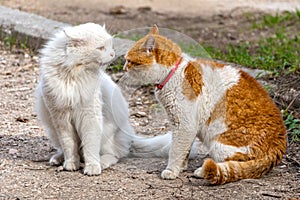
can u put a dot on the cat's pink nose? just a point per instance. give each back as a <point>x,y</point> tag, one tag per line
<point>112,54</point>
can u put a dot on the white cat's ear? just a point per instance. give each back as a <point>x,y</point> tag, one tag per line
<point>154,30</point>
<point>103,26</point>
<point>72,40</point>
<point>69,32</point>
<point>149,44</point>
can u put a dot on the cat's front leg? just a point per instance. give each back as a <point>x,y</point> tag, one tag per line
<point>182,141</point>
<point>90,131</point>
<point>68,141</point>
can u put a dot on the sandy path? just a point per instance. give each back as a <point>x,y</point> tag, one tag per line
<point>190,7</point>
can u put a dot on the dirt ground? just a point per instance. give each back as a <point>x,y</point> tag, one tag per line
<point>25,149</point>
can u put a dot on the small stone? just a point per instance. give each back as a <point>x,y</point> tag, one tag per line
<point>35,58</point>
<point>144,123</point>
<point>144,9</point>
<point>12,151</point>
<point>22,119</point>
<point>118,10</point>
<point>140,114</point>
<point>4,62</point>
<point>138,103</point>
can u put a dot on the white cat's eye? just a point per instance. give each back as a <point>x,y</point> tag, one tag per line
<point>101,48</point>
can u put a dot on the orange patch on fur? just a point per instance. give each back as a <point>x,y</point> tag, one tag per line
<point>192,84</point>
<point>252,120</point>
<point>218,111</point>
<point>137,55</point>
<point>238,157</point>
<point>210,169</point>
<point>249,120</point>
<point>164,52</point>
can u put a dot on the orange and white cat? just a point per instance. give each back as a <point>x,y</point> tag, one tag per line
<point>221,105</point>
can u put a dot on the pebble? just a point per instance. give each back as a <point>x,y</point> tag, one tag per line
<point>138,103</point>
<point>140,114</point>
<point>12,151</point>
<point>118,10</point>
<point>4,62</point>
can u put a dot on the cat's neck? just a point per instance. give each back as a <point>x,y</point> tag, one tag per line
<point>172,76</point>
<point>78,71</point>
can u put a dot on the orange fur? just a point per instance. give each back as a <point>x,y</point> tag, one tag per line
<point>165,52</point>
<point>192,84</point>
<point>218,111</point>
<point>252,120</point>
<point>250,123</point>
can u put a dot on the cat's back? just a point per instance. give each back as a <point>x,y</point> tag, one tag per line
<point>242,91</point>
<point>244,104</point>
<point>252,118</point>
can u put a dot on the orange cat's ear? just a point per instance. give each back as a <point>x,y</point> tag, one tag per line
<point>154,30</point>
<point>149,44</point>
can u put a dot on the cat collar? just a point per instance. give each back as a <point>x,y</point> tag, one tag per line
<point>160,86</point>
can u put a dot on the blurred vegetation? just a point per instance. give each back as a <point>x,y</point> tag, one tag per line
<point>277,53</point>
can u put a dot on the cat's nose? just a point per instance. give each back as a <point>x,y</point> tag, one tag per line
<point>112,54</point>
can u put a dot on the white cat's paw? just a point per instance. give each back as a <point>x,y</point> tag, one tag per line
<point>92,169</point>
<point>56,159</point>
<point>168,174</point>
<point>104,165</point>
<point>199,173</point>
<point>108,160</point>
<point>71,166</point>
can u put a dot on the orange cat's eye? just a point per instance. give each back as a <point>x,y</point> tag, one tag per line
<point>101,48</point>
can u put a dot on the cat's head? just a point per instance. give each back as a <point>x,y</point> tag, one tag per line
<point>151,57</point>
<point>88,44</point>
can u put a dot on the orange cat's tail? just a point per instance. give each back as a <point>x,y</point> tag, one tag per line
<point>230,171</point>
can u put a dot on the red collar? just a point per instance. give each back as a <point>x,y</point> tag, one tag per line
<point>160,86</point>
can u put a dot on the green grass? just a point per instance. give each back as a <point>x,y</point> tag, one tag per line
<point>276,20</point>
<point>117,66</point>
<point>293,125</point>
<point>13,40</point>
<point>276,53</point>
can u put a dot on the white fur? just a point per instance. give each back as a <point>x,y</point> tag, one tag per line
<point>82,109</point>
<point>219,152</point>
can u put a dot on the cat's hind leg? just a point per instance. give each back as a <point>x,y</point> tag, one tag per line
<point>57,159</point>
<point>108,160</point>
<point>44,116</point>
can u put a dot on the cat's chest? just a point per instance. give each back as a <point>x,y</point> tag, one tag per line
<point>73,93</point>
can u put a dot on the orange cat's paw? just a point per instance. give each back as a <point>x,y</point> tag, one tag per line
<point>168,174</point>
<point>199,173</point>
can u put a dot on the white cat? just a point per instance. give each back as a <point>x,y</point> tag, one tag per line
<point>83,110</point>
